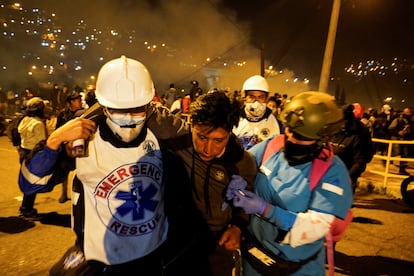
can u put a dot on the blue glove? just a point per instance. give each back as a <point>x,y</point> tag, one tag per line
<point>249,201</point>
<point>237,183</point>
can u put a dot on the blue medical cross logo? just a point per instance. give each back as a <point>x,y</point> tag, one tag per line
<point>137,200</point>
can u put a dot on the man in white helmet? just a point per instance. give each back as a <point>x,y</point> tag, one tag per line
<point>119,212</point>
<point>257,122</point>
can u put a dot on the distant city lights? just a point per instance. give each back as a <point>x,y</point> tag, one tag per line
<point>53,49</point>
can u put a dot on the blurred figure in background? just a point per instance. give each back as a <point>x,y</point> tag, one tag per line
<point>72,110</point>
<point>90,97</point>
<point>353,144</point>
<point>61,97</point>
<point>257,122</point>
<point>401,128</point>
<point>32,130</point>
<point>170,96</point>
<point>176,106</point>
<point>186,104</point>
<point>11,99</point>
<point>28,94</point>
<point>195,90</point>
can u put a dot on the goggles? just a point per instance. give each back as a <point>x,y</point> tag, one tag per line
<point>125,119</point>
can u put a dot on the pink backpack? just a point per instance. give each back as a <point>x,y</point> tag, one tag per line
<point>319,168</point>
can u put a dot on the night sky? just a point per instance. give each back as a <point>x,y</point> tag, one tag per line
<point>292,33</point>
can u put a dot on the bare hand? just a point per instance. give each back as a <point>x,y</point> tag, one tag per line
<point>78,128</point>
<point>231,238</point>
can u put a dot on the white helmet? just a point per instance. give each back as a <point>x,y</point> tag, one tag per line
<point>124,83</point>
<point>257,83</point>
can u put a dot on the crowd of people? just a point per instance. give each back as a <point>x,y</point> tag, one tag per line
<point>35,118</point>
<point>156,194</point>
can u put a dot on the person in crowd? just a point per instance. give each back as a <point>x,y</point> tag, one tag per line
<point>285,99</point>
<point>257,122</point>
<point>32,130</point>
<point>170,95</point>
<point>3,106</point>
<point>288,218</point>
<point>61,97</point>
<point>186,103</point>
<point>402,128</point>
<point>157,99</point>
<point>54,96</point>
<point>274,104</point>
<point>28,94</point>
<point>195,90</point>
<point>388,111</point>
<point>90,97</point>
<point>11,98</point>
<point>353,144</point>
<point>361,115</point>
<point>176,106</point>
<point>3,103</point>
<point>119,216</point>
<point>366,121</point>
<point>212,159</point>
<point>380,130</point>
<point>73,109</point>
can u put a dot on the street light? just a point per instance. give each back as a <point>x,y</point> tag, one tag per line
<point>330,44</point>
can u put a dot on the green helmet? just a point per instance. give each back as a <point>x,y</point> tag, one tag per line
<point>313,115</point>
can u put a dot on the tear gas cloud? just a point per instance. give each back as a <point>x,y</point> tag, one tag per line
<point>177,40</point>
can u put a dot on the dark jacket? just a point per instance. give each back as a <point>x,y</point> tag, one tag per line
<point>354,146</point>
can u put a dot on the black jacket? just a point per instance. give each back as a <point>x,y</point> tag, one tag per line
<point>354,146</point>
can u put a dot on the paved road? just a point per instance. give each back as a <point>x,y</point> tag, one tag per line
<point>380,240</point>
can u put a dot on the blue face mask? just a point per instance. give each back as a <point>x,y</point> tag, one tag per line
<point>126,119</point>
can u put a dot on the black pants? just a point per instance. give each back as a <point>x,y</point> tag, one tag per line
<point>28,200</point>
<point>406,151</point>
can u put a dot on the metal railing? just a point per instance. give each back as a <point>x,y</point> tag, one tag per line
<point>388,158</point>
<point>186,117</point>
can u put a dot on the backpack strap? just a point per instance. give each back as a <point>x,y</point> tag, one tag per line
<point>274,145</point>
<point>320,165</point>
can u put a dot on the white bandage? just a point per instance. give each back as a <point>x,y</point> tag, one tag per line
<point>308,227</point>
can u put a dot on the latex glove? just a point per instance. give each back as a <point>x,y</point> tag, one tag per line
<point>249,201</point>
<point>237,183</point>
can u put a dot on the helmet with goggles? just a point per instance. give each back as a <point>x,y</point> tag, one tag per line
<point>124,83</point>
<point>313,115</point>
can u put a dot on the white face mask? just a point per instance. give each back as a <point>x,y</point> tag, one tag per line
<point>255,111</point>
<point>130,128</point>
